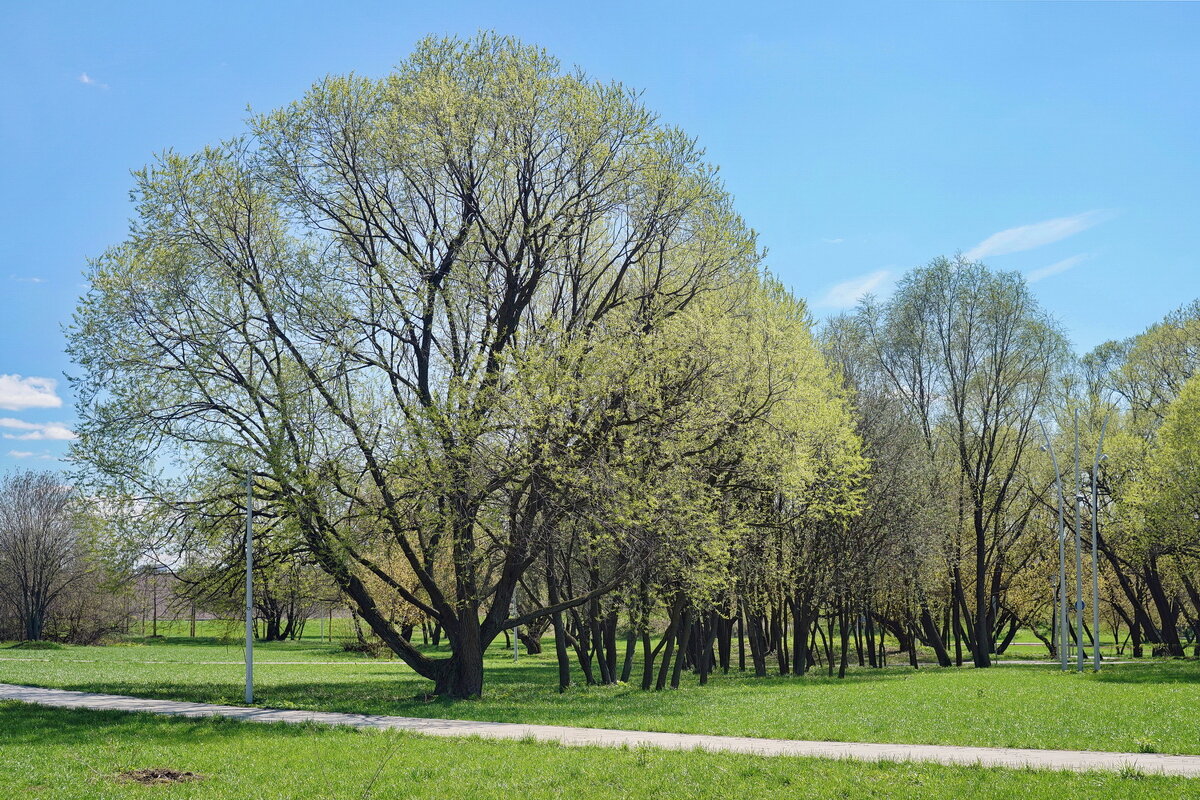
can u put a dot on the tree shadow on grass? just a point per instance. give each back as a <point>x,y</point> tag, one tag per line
<point>23,723</point>
<point>1182,670</point>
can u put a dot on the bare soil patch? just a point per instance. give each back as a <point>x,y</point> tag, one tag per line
<point>159,775</point>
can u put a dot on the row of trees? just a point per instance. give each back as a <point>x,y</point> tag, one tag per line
<point>57,580</point>
<point>1151,481</point>
<point>497,352</point>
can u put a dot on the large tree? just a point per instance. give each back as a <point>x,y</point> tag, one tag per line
<point>975,359</point>
<point>43,546</point>
<point>451,314</point>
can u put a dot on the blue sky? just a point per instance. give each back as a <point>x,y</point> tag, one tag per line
<point>858,139</point>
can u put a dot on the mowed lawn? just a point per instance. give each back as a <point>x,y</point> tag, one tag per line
<point>1134,708</point>
<point>78,755</point>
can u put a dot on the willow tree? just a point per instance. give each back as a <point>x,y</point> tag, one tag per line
<point>345,298</point>
<point>975,358</point>
<point>1143,382</point>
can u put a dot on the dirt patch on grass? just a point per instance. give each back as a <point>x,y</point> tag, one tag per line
<point>158,775</point>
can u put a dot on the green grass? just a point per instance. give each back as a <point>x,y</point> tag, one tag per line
<point>1125,708</point>
<point>56,753</point>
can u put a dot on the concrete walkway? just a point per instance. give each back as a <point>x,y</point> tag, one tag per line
<point>1076,760</point>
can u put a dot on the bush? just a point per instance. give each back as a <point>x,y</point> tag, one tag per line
<point>370,649</point>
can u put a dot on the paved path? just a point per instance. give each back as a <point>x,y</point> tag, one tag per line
<point>1077,760</point>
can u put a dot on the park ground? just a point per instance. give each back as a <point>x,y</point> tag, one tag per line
<point>1145,707</point>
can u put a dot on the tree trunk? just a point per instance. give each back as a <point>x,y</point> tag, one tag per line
<point>460,677</point>
<point>741,642</point>
<point>934,637</point>
<point>560,633</point>
<point>982,634</point>
<point>669,641</point>
<point>844,633</point>
<point>1166,614</point>
<point>685,636</point>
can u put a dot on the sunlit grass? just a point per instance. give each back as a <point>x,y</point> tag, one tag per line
<point>1126,707</point>
<point>73,755</point>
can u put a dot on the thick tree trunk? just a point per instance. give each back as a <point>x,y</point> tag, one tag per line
<point>800,633</point>
<point>982,633</point>
<point>669,640</point>
<point>34,622</point>
<point>1166,614</point>
<point>685,636</point>
<point>1140,615</point>
<point>560,633</point>
<point>757,645</point>
<point>934,637</point>
<point>460,677</point>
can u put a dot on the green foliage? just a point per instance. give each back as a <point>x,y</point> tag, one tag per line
<point>1167,492</point>
<point>481,314</point>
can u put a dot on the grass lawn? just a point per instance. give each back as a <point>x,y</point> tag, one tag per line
<point>1144,707</point>
<point>80,754</point>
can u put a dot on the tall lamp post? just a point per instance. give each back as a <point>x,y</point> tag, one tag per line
<point>250,555</point>
<point>249,586</point>
<point>1081,499</point>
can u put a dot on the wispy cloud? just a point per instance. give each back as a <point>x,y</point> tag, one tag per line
<point>35,431</point>
<point>1035,275</point>
<point>88,80</point>
<point>1027,237</point>
<point>20,279</point>
<point>838,240</point>
<point>18,394</point>
<point>29,454</point>
<point>848,293</point>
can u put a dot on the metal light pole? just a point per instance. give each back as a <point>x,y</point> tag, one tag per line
<point>1095,555</point>
<point>1063,635</point>
<point>249,586</point>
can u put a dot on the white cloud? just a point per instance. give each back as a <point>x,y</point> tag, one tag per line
<point>36,430</point>
<point>88,80</point>
<point>30,454</point>
<point>19,279</point>
<point>1027,237</point>
<point>839,240</point>
<point>1035,275</point>
<point>18,394</point>
<point>848,293</point>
